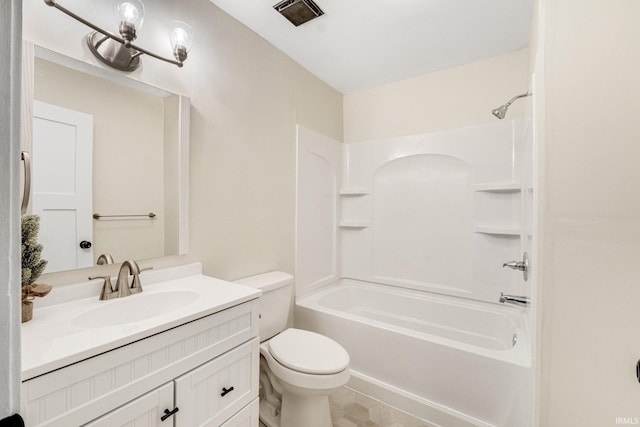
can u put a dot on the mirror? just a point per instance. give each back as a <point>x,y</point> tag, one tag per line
<point>109,165</point>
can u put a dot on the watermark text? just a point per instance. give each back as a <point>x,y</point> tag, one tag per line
<point>628,420</point>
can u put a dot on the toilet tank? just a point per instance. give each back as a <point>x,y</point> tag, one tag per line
<point>275,301</point>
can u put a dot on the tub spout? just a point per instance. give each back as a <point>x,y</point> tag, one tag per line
<point>513,299</point>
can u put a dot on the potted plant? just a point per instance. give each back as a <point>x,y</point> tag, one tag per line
<point>32,265</point>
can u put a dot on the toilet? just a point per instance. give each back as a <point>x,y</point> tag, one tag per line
<point>298,369</point>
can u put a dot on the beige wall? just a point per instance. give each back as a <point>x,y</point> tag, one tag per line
<point>453,98</point>
<point>246,99</point>
<point>128,156</point>
<point>590,212</point>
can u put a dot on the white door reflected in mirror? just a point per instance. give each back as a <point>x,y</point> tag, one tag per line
<point>62,184</point>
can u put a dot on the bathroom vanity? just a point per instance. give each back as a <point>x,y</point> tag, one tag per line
<point>184,352</point>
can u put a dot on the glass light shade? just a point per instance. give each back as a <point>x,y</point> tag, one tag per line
<point>130,12</point>
<point>181,35</point>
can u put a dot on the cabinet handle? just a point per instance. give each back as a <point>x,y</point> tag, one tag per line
<point>168,413</point>
<point>26,192</point>
<point>226,391</point>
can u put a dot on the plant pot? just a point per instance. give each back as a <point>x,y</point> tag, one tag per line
<point>29,292</point>
<point>27,311</point>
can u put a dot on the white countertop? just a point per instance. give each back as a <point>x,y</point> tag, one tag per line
<point>57,337</point>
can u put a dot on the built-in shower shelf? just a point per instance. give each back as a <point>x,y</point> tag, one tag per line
<point>498,187</point>
<point>355,224</point>
<point>354,192</point>
<point>498,231</point>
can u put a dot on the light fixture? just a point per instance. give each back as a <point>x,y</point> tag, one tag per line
<point>181,36</point>
<point>118,51</point>
<point>131,15</point>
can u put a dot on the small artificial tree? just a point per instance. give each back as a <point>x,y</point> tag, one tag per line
<point>32,265</point>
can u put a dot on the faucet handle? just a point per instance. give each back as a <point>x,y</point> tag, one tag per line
<point>107,292</point>
<point>520,266</point>
<point>514,265</point>
<point>136,285</point>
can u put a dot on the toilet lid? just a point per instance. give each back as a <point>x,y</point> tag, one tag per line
<point>308,352</point>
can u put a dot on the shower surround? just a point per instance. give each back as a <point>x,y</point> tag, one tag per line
<point>409,235</point>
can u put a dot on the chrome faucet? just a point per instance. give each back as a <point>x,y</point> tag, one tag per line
<point>122,284</point>
<point>513,299</point>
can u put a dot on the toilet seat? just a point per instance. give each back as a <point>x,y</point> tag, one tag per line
<point>308,352</point>
<point>300,381</point>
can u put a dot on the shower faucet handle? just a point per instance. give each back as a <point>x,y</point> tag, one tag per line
<point>520,266</point>
<point>514,265</point>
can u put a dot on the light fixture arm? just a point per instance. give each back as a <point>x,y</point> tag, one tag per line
<point>109,34</point>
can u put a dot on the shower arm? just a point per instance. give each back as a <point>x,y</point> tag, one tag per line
<point>512,100</point>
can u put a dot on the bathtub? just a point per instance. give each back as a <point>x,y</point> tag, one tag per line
<point>450,361</point>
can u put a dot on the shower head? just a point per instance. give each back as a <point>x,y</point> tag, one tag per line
<point>501,111</point>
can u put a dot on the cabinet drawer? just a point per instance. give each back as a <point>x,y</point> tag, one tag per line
<point>248,417</point>
<point>144,411</point>
<point>212,393</point>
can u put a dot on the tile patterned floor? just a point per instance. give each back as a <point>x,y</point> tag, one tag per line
<point>352,409</point>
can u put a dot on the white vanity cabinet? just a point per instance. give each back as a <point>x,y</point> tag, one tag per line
<point>207,368</point>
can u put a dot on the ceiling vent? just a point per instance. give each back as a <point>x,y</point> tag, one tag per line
<point>298,11</point>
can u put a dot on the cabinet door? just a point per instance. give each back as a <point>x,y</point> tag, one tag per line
<point>211,394</point>
<point>248,417</point>
<point>144,411</point>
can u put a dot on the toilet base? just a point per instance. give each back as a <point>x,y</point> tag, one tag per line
<point>307,411</point>
<point>268,416</point>
<point>312,411</point>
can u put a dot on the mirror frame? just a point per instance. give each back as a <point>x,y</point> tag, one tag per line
<point>31,51</point>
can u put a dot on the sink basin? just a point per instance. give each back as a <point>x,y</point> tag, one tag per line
<point>134,308</point>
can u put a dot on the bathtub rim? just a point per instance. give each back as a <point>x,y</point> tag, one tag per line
<point>519,355</point>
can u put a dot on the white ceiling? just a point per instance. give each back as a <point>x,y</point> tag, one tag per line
<point>360,44</point>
